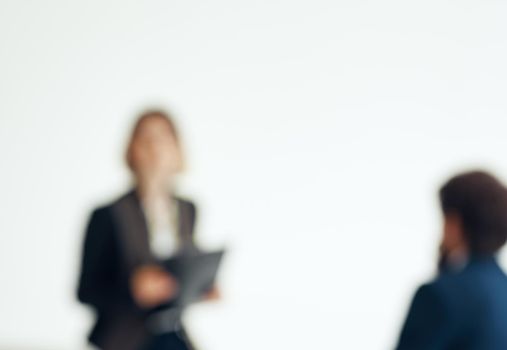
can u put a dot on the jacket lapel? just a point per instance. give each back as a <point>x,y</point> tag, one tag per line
<point>132,231</point>
<point>186,219</point>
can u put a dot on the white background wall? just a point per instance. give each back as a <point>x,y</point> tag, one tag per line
<point>317,134</point>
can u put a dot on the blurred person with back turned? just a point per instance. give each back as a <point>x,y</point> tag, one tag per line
<point>121,276</point>
<point>465,307</point>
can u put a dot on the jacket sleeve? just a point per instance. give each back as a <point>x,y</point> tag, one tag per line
<point>97,284</point>
<point>429,324</point>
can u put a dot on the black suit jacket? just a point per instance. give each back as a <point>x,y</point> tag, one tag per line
<point>116,242</point>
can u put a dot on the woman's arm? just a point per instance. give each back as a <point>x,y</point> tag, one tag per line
<point>98,285</point>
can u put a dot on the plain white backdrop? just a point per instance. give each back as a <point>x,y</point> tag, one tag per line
<point>317,134</point>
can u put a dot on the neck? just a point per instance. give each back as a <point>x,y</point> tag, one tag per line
<point>458,257</point>
<point>454,258</point>
<point>153,189</point>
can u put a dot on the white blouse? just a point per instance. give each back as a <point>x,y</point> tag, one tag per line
<point>162,221</point>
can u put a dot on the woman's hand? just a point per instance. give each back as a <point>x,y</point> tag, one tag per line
<point>151,286</point>
<point>213,294</point>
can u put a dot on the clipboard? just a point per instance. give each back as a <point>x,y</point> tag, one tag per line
<point>195,273</point>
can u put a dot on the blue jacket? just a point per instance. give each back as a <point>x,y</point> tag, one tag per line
<point>463,310</point>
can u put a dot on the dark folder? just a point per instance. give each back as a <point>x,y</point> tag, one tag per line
<point>195,273</point>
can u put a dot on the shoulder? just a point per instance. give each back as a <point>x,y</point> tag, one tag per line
<point>431,319</point>
<point>431,293</point>
<point>99,230</point>
<point>436,302</point>
<point>125,199</point>
<point>453,290</point>
<point>103,214</point>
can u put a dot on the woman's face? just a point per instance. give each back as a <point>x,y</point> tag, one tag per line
<point>154,150</point>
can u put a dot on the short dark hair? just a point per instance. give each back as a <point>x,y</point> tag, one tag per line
<point>480,200</point>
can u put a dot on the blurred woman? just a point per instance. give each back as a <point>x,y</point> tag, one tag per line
<point>121,277</point>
